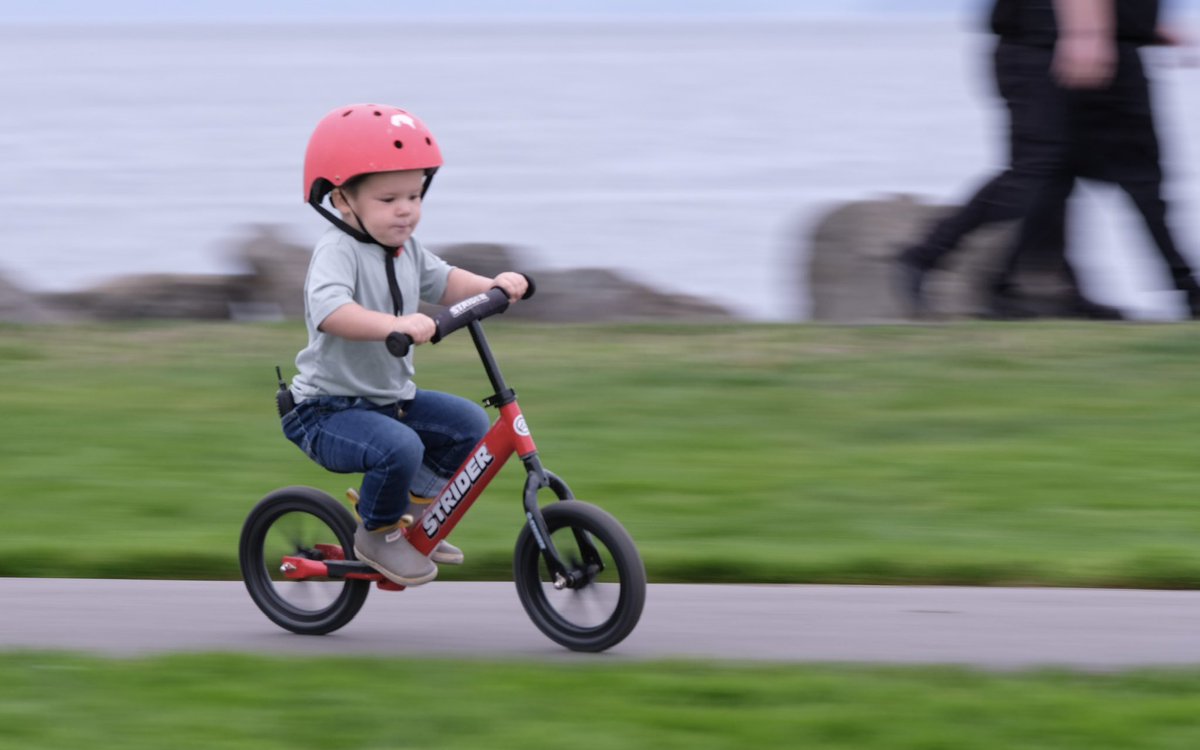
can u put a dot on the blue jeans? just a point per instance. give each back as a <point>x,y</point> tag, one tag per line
<point>414,446</point>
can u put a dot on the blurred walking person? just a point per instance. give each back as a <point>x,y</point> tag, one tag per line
<point>1071,76</point>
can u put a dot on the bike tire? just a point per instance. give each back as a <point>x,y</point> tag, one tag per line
<point>600,614</point>
<point>292,521</point>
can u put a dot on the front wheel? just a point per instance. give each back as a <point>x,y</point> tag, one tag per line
<point>306,523</point>
<point>605,603</point>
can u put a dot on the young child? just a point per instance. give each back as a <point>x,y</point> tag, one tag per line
<point>358,409</point>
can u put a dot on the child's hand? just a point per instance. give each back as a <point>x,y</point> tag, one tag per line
<point>514,284</point>
<point>419,327</point>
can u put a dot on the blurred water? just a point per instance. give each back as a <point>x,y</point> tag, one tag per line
<point>692,154</point>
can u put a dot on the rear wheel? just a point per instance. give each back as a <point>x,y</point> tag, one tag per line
<point>306,523</point>
<point>605,602</point>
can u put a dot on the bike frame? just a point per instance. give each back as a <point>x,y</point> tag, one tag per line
<point>509,435</point>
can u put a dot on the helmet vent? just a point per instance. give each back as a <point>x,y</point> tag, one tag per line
<point>347,113</point>
<point>398,144</point>
<point>428,141</point>
<point>378,113</point>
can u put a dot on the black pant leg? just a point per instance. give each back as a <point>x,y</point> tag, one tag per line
<point>1037,149</point>
<point>1041,176</point>
<point>1147,197</point>
<point>1120,142</point>
<point>986,206</point>
<point>1044,246</point>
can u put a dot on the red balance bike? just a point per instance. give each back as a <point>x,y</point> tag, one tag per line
<point>577,571</point>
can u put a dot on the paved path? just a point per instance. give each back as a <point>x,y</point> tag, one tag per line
<point>991,628</point>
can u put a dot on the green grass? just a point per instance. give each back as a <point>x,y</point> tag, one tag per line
<point>1043,454</point>
<point>220,702</point>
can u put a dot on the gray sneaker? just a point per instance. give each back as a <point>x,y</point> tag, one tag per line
<point>387,551</point>
<point>446,553</point>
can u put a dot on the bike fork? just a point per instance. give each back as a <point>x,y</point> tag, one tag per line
<point>537,478</point>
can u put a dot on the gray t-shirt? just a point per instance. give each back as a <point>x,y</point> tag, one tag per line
<point>344,270</point>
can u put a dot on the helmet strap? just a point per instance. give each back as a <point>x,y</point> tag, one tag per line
<point>429,173</point>
<point>389,252</point>
<point>389,264</point>
<point>355,232</point>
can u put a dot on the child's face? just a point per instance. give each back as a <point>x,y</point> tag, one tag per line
<point>388,203</point>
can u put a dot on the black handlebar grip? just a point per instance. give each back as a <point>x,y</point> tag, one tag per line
<point>531,288</point>
<point>398,343</point>
<point>446,322</point>
<point>481,306</point>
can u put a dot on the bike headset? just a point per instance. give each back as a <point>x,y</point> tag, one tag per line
<point>360,139</point>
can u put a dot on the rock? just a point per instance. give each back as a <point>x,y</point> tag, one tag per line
<point>588,295</point>
<point>484,258</point>
<point>851,268</point>
<point>20,306</point>
<point>592,295</point>
<point>278,269</point>
<point>203,297</point>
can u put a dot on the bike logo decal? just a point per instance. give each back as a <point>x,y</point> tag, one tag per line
<point>467,304</point>
<point>537,535</point>
<point>520,427</point>
<point>456,489</point>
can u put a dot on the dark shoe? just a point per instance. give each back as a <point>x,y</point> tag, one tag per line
<point>910,283</point>
<point>1193,304</point>
<point>1082,307</point>
<point>1004,304</point>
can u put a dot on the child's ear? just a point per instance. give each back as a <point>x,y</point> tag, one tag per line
<point>338,199</point>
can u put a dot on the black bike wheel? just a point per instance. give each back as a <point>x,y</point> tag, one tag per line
<point>604,609</point>
<point>292,522</point>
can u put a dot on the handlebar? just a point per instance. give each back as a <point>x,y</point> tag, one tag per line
<point>491,302</point>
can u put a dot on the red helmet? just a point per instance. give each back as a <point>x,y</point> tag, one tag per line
<point>364,138</point>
